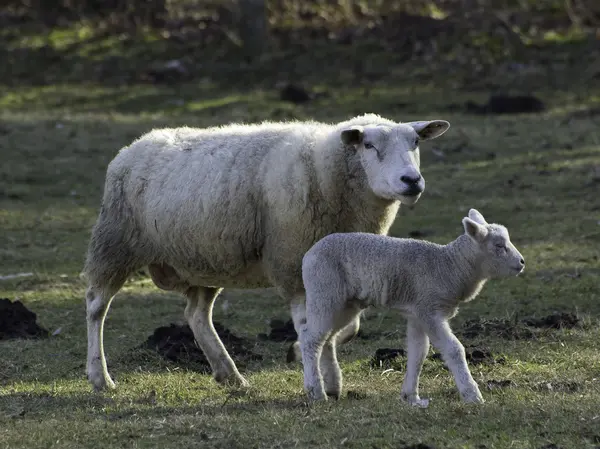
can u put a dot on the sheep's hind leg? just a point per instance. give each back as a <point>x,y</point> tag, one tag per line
<point>98,301</point>
<point>198,312</point>
<point>417,343</point>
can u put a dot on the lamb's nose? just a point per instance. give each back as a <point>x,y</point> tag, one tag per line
<point>410,180</point>
<point>522,262</point>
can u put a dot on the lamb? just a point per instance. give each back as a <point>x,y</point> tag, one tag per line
<point>345,273</point>
<point>237,207</point>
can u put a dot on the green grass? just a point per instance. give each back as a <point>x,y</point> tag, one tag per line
<point>537,174</point>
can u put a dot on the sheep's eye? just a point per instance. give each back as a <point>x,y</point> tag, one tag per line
<point>500,246</point>
<point>369,146</point>
<point>417,140</point>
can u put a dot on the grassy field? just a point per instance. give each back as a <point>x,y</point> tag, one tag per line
<point>539,174</point>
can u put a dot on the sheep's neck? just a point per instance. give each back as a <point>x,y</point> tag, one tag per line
<point>362,210</point>
<point>465,273</point>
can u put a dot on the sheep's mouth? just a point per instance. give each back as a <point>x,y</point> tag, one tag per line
<point>519,270</point>
<point>409,198</point>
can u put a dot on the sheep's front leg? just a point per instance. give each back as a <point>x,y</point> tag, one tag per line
<point>453,354</point>
<point>417,345</point>
<point>198,312</point>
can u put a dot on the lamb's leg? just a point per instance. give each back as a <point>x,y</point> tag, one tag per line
<point>330,369</point>
<point>311,344</point>
<point>98,301</point>
<point>349,332</point>
<point>299,312</point>
<point>453,354</point>
<point>417,344</point>
<point>198,312</point>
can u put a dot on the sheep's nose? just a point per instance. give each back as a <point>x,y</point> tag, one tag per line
<point>522,261</point>
<point>410,180</point>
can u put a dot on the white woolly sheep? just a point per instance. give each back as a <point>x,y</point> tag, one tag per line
<point>346,273</point>
<point>238,206</point>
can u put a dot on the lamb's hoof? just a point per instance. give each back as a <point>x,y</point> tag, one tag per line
<point>334,394</point>
<point>316,395</point>
<point>472,397</point>
<point>415,401</point>
<point>474,400</point>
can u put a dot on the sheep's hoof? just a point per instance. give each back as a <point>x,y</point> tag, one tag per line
<point>99,383</point>
<point>232,380</point>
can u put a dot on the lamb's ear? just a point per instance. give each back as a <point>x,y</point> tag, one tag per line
<point>353,136</point>
<point>476,216</point>
<point>474,230</point>
<point>430,129</point>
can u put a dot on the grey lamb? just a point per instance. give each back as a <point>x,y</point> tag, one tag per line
<point>346,273</point>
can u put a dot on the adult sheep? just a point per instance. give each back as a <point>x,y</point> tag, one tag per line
<point>238,206</point>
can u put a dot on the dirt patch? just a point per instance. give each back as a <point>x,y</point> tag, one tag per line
<point>418,446</point>
<point>498,328</point>
<point>560,320</point>
<point>524,329</point>
<point>384,356</point>
<point>356,395</point>
<point>420,233</point>
<point>558,386</point>
<point>295,94</point>
<point>494,384</point>
<point>476,355</point>
<point>17,321</point>
<point>507,104</point>
<point>177,343</point>
<point>280,331</point>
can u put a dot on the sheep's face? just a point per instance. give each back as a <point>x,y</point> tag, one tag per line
<point>390,156</point>
<point>500,257</point>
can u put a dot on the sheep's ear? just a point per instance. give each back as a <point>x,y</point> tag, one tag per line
<point>430,129</point>
<point>353,136</point>
<point>476,216</point>
<point>474,230</point>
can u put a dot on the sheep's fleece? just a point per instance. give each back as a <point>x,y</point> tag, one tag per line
<point>238,206</point>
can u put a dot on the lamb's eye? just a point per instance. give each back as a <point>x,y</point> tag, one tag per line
<point>369,146</point>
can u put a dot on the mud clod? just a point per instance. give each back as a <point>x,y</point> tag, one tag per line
<point>494,384</point>
<point>560,320</point>
<point>498,328</point>
<point>476,355</point>
<point>17,321</point>
<point>558,386</point>
<point>356,395</point>
<point>384,356</point>
<point>280,331</point>
<point>177,343</point>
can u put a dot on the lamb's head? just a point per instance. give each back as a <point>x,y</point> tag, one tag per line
<point>499,257</point>
<point>390,156</point>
